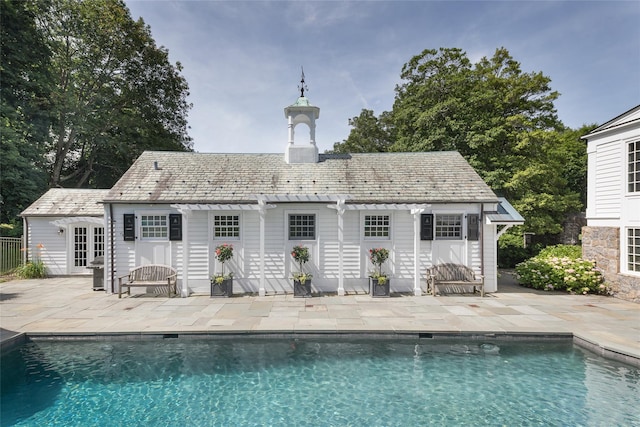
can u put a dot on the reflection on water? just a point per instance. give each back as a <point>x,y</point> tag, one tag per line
<point>314,382</point>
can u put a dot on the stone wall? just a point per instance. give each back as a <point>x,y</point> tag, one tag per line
<point>602,245</point>
<point>572,227</point>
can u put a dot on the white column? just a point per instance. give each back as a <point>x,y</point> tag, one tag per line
<point>416,251</point>
<point>291,131</point>
<point>263,212</point>
<point>340,209</point>
<point>184,289</point>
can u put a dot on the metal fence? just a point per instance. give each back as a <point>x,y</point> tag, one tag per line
<point>10,253</point>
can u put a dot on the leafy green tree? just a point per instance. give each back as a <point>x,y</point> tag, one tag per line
<point>369,135</point>
<point>24,111</point>
<point>501,119</point>
<point>115,95</point>
<point>431,109</point>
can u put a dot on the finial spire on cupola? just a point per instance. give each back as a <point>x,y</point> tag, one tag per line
<point>302,85</point>
<point>302,112</point>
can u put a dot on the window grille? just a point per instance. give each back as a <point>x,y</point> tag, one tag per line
<point>634,167</point>
<point>153,226</point>
<point>633,249</point>
<point>226,227</point>
<point>302,227</point>
<point>376,226</point>
<point>448,227</point>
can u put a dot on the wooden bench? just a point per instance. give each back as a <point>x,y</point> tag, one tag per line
<point>453,274</point>
<point>151,275</point>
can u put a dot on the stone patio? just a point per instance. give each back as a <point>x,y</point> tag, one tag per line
<point>69,306</point>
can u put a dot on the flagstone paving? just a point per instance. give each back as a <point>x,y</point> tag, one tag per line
<point>68,305</point>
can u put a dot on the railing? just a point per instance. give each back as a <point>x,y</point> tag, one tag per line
<point>10,253</point>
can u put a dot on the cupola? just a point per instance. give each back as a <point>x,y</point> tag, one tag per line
<point>302,112</point>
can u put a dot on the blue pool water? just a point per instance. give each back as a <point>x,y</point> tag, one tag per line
<point>314,382</point>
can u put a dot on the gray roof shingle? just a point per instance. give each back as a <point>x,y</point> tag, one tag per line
<point>68,202</point>
<point>185,177</point>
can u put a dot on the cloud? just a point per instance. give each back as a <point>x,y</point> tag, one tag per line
<point>242,59</point>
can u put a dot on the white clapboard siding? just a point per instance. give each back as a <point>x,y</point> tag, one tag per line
<point>47,245</point>
<point>402,264</point>
<point>608,180</point>
<point>198,240</point>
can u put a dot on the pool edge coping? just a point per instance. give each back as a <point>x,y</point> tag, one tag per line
<point>608,352</point>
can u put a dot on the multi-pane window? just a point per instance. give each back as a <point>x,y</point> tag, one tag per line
<point>376,226</point>
<point>634,167</point>
<point>302,227</point>
<point>80,246</point>
<point>98,241</point>
<point>633,249</point>
<point>226,227</point>
<point>153,226</point>
<point>448,227</point>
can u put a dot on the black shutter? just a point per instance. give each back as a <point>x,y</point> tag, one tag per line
<point>426,227</point>
<point>175,227</point>
<point>473,227</point>
<point>129,227</point>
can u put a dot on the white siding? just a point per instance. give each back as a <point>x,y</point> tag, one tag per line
<point>490,254</point>
<point>608,180</point>
<point>198,241</point>
<point>401,260</point>
<point>354,280</point>
<point>324,250</point>
<point>47,245</point>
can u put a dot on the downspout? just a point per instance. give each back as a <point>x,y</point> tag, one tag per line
<point>25,227</point>
<point>112,248</point>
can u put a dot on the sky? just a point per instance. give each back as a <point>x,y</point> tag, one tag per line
<point>243,60</point>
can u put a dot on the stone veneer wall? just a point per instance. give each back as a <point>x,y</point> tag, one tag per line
<point>602,245</point>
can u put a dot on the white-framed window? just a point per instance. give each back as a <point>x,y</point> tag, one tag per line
<point>98,241</point>
<point>448,227</point>
<point>633,249</point>
<point>226,227</point>
<point>633,168</point>
<point>80,242</point>
<point>377,227</point>
<point>154,227</point>
<point>302,226</point>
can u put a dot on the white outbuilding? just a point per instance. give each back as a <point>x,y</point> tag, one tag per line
<point>64,229</point>
<point>175,208</point>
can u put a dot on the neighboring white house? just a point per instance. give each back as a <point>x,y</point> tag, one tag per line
<point>64,228</point>
<point>174,208</point>
<point>612,234</point>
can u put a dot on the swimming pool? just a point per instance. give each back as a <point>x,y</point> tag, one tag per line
<point>314,382</point>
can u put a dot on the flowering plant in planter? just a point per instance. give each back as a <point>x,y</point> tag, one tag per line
<point>378,256</point>
<point>300,254</point>
<point>224,253</point>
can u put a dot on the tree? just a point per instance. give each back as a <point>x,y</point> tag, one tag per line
<point>115,95</point>
<point>501,119</point>
<point>431,109</point>
<point>24,111</point>
<point>369,135</point>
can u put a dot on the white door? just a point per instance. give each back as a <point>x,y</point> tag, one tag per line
<point>452,251</point>
<point>87,243</point>
<point>448,244</point>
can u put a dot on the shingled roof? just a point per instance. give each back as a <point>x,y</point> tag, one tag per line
<point>185,177</point>
<point>68,202</point>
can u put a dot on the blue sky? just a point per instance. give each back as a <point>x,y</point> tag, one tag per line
<point>242,59</point>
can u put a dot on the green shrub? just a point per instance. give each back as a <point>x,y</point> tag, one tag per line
<point>32,270</point>
<point>560,268</point>
<point>569,251</point>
